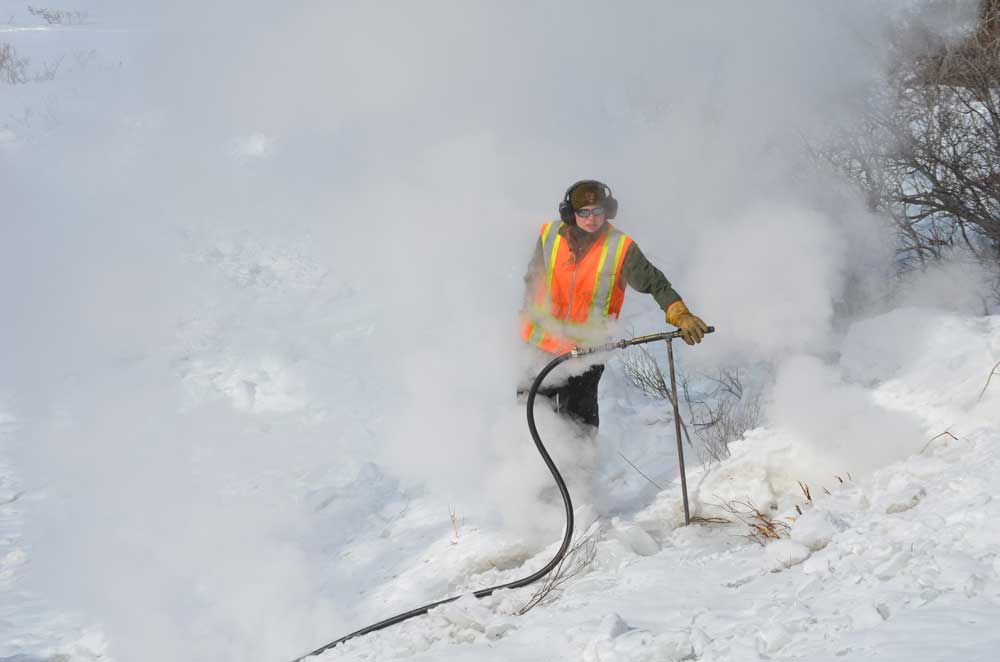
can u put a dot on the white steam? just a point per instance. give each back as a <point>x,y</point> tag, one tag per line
<point>283,239</point>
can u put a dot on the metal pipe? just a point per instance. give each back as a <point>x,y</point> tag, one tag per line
<point>677,429</point>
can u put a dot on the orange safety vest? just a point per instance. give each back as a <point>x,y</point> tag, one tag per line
<point>572,303</point>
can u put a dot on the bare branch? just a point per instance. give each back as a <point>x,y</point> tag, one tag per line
<point>932,439</point>
<point>579,557</point>
<point>651,481</point>
<point>992,372</point>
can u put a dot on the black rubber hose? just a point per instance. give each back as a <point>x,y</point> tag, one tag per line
<point>567,536</point>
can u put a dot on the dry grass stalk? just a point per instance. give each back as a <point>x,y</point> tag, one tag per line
<point>762,527</point>
<point>805,492</point>
<point>455,523</point>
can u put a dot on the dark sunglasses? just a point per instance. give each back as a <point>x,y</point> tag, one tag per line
<point>585,213</point>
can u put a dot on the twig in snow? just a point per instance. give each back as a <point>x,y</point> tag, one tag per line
<point>12,499</point>
<point>455,522</point>
<point>640,471</point>
<point>946,432</point>
<point>992,372</point>
<point>580,556</point>
<point>698,519</point>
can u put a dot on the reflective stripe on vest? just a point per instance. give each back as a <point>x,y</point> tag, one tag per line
<point>557,322</point>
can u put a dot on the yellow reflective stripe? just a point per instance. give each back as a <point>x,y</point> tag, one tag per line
<point>614,273</point>
<point>536,335</point>
<point>545,232</point>
<point>600,269</point>
<point>552,265</point>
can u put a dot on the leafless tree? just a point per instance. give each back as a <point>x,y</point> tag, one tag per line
<point>928,154</point>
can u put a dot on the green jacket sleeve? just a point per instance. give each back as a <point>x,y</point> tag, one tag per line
<point>642,276</point>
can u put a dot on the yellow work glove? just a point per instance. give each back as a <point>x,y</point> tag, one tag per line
<point>691,326</point>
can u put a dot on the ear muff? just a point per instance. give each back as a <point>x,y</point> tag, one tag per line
<point>609,203</point>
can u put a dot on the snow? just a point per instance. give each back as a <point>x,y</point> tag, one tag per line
<point>867,567</point>
<point>238,439</point>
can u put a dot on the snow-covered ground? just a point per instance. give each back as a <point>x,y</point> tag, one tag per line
<point>901,562</point>
<point>235,427</point>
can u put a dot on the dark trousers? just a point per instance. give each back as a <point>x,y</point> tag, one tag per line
<point>577,398</point>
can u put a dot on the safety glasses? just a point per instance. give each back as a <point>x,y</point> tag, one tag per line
<point>585,213</point>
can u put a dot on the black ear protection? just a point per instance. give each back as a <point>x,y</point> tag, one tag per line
<point>609,203</point>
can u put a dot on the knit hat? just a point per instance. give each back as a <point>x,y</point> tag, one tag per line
<point>589,193</point>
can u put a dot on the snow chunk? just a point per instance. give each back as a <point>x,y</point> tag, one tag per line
<point>817,565</point>
<point>466,613</point>
<point>610,642</point>
<point>866,616</point>
<point>636,539</point>
<point>772,638</point>
<point>898,495</point>
<point>782,554</point>
<point>891,568</point>
<point>612,626</point>
<point>814,529</point>
<point>498,630</point>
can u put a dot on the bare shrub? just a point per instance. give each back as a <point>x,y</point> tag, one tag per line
<point>58,16</point>
<point>644,373</point>
<point>13,69</point>
<point>723,414</point>
<point>718,416</point>
<point>48,71</point>
<point>580,556</point>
